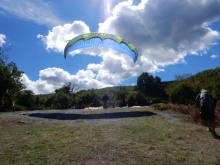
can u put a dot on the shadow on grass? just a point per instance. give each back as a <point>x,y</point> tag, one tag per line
<point>75,116</point>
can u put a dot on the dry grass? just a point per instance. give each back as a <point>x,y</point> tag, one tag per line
<point>119,136</point>
<point>191,110</point>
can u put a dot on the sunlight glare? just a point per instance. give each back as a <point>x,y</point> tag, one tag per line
<point>108,6</point>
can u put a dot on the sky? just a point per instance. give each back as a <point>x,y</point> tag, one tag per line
<point>172,38</point>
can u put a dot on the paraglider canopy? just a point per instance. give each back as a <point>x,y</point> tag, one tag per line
<point>101,40</point>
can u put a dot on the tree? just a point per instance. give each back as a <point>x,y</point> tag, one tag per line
<point>27,99</point>
<point>132,100</point>
<point>64,89</point>
<point>121,95</point>
<point>182,94</point>
<point>3,56</point>
<point>63,98</point>
<point>141,99</point>
<point>150,86</point>
<point>96,102</point>
<point>68,89</point>
<point>182,76</point>
<point>207,79</point>
<point>10,82</point>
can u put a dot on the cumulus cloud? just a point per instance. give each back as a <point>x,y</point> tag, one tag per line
<point>58,37</point>
<point>2,39</point>
<point>54,78</point>
<point>40,12</point>
<point>164,32</point>
<point>214,56</point>
<point>114,68</point>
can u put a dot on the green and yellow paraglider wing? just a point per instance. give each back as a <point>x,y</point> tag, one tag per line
<point>101,40</point>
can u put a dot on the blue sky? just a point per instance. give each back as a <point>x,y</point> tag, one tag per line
<point>172,38</point>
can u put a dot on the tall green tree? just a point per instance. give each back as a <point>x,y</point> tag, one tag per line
<point>10,82</point>
<point>150,86</point>
<point>27,99</point>
<point>121,95</point>
<point>63,98</point>
<point>64,89</point>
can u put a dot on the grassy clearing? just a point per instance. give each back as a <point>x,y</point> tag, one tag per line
<point>145,136</point>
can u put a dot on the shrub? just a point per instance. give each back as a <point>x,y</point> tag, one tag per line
<point>182,94</point>
<point>19,108</point>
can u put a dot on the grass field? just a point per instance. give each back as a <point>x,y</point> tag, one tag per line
<point>113,136</point>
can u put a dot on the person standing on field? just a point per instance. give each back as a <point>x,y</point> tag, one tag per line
<point>105,99</point>
<point>206,104</point>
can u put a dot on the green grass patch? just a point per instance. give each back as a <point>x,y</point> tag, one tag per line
<point>119,136</point>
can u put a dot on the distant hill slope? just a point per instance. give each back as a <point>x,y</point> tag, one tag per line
<point>207,79</point>
<point>118,88</point>
<point>208,76</point>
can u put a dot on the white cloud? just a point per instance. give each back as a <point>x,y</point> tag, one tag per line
<point>58,37</point>
<point>164,32</point>
<point>214,56</point>
<point>37,11</point>
<point>156,25</point>
<point>2,39</point>
<point>114,68</point>
<point>54,78</point>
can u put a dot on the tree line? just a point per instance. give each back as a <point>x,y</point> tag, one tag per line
<point>14,95</point>
<point>184,90</point>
